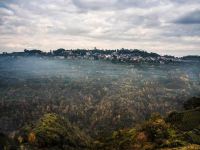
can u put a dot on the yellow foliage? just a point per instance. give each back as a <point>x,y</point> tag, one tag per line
<point>159,121</point>
<point>31,137</point>
<point>20,139</point>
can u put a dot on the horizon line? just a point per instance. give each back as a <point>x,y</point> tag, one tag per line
<point>108,49</point>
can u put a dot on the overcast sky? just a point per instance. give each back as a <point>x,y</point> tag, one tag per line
<point>162,26</point>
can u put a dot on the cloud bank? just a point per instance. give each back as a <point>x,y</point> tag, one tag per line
<point>165,27</point>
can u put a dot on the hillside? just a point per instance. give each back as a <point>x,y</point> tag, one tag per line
<point>178,130</point>
<point>114,55</point>
<point>49,132</point>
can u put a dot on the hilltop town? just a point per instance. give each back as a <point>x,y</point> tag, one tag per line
<point>118,55</point>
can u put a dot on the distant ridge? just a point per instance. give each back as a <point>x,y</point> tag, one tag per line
<point>116,55</point>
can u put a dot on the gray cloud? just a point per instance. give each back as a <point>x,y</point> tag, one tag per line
<point>185,1</point>
<point>190,18</point>
<point>114,4</point>
<point>148,24</point>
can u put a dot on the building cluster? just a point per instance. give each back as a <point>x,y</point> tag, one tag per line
<point>119,55</point>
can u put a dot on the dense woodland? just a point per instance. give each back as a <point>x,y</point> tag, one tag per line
<point>97,104</point>
<point>178,130</point>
